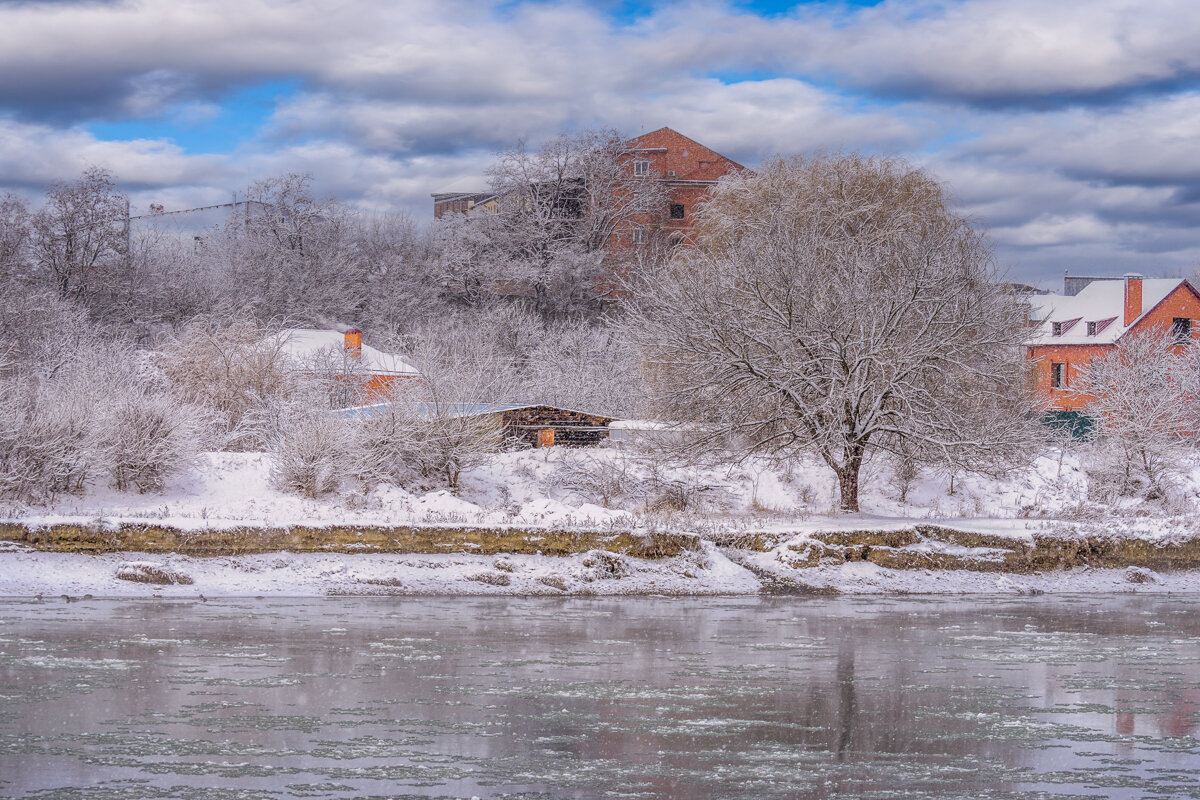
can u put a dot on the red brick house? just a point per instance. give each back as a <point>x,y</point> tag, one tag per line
<point>687,168</point>
<point>1091,317</point>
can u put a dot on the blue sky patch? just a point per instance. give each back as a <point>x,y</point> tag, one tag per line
<point>205,127</point>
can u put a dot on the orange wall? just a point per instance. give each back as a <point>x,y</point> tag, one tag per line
<point>1182,302</point>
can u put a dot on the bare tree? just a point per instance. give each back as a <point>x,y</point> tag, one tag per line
<point>1142,398</point>
<point>292,254</point>
<point>14,238</point>
<point>837,304</point>
<point>557,211</point>
<point>80,232</point>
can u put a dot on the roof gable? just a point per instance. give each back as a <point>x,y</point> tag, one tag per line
<point>1101,302</point>
<point>666,137</point>
<point>305,344</point>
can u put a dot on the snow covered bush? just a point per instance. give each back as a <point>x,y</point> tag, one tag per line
<point>423,445</point>
<point>233,367</point>
<point>1137,397</point>
<point>312,450</point>
<point>146,437</point>
<point>649,479</point>
<point>47,443</point>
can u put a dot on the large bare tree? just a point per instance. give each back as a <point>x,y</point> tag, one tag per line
<point>836,304</point>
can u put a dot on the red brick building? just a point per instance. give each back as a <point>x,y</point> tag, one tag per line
<point>687,168</point>
<point>1091,317</point>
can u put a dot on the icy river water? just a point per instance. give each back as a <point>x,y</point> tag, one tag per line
<point>580,698</point>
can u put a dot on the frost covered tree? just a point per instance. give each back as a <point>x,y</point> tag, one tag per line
<point>1142,396</point>
<point>14,238</point>
<point>836,304</point>
<point>289,253</point>
<point>556,212</point>
<point>236,369</point>
<point>80,232</point>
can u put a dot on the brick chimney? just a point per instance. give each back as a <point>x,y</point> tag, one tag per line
<point>1133,297</point>
<point>354,337</point>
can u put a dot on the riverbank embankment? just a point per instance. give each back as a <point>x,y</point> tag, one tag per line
<point>137,559</point>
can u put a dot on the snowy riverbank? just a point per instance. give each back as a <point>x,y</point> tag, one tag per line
<point>27,573</point>
<point>753,528</point>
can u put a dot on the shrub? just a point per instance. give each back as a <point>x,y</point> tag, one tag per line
<point>234,368</point>
<point>47,444</point>
<point>145,438</point>
<point>312,450</point>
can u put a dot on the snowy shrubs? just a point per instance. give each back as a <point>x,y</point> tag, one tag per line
<point>423,445</point>
<point>46,441</point>
<point>645,479</point>
<point>146,437</point>
<point>235,369</point>
<point>58,433</point>
<point>312,450</point>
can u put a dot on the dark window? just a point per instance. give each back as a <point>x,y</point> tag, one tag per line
<point>1181,329</point>
<point>1058,376</point>
<point>1056,328</point>
<point>1091,329</point>
<point>676,210</point>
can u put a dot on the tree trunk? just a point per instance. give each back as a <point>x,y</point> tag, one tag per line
<point>848,478</point>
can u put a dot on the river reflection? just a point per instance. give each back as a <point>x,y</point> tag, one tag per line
<point>581,698</point>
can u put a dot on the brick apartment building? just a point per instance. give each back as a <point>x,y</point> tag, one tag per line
<point>687,168</point>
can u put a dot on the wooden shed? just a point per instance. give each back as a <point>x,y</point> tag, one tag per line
<point>534,424</point>
<point>547,426</point>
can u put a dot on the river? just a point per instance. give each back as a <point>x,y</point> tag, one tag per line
<point>581,698</point>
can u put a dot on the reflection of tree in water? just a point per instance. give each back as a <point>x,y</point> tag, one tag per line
<point>846,703</point>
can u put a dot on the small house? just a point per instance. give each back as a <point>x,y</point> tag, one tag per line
<point>1091,318</point>
<point>342,358</point>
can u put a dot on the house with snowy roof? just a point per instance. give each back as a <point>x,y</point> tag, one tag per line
<point>342,357</point>
<point>1091,317</point>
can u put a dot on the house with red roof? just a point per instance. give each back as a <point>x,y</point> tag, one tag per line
<point>1093,316</point>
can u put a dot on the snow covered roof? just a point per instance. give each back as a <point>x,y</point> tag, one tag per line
<point>303,344</point>
<point>456,409</point>
<point>1101,302</point>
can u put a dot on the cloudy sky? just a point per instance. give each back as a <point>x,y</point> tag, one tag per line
<point>1069,129</point>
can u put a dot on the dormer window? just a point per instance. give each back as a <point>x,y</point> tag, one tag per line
<point>1091,329</point>
<point>1059,328</point>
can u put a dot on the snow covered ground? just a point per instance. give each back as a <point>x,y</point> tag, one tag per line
<point>605,489</point>
<point>599,488</point>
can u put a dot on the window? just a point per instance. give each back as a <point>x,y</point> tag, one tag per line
<point>1181,329</point>
<point>676,210</point>
<point>1091,329</point>
<point>641,169</point>
<point>1056,328</point>
<point>1058,376</point>
<point>640,236</point>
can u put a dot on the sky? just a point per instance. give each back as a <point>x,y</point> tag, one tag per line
<point>1068,130</point>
